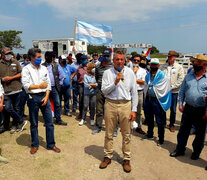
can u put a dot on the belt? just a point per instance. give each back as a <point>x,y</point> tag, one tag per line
<point>38,94</point>
<point>117,101</point>
<point>140,90</point>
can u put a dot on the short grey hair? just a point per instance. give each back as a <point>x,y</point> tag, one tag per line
<point>32,52</point>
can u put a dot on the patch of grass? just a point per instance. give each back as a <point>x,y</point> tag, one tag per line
<point>158,56</point>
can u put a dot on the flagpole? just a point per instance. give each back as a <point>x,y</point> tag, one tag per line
<point>74,33</point>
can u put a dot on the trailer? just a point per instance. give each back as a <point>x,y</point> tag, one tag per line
<point>60,47</point>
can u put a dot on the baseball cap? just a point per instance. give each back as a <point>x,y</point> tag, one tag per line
<point>155,61</point>
<point>84,57</point>
<point>106,52</point>
<point>95,54</point>
<point>62,57</point>
<point>6,50</point>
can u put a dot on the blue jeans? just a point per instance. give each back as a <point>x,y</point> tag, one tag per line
<point>35,103</point>
<point>56,99</point>
<point>75,94</point>
<point>173,109</point>
<point>153,108</point>
<point>12,106</point>
<point>24,98</point>
<point>65,92</point>
<point>192,116</point>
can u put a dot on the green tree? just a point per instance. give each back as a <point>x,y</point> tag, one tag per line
<point>11,39</point>
<point>154,50</point>
<point>134,53</point>
<point>96,49</point>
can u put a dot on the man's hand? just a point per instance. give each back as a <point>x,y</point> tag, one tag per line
<point>43,85</point>
<point>44,100</point>
<point>92,85</point>
<point>6,79</point>
<point>118,78</point>
<point>135,69</point>
<point>1,107</point>
<point>181,109</point>
<point>132,116</point>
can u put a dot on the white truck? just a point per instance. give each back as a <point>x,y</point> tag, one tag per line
<point>62,46</point>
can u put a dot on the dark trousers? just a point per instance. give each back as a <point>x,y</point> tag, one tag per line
<point>56,99</point>
<point>12,107</point>
<point>153,108</point>
<point>173,109</point>
<point>24,98</point>
<point>75,94</point>
<point>65,92</point>
<point>35,103</point>
<point>192,116</point>
<point>100,101</point>
<point>81,98</point>
<point>89,100</point>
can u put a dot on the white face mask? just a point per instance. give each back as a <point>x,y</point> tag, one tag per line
<point>8,57</point>
<point>135,65</point>
<point>93,70</point>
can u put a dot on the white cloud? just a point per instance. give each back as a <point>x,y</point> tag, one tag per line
<point>4,18</point>
<point>112,10</point>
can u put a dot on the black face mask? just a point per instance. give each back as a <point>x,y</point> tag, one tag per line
<point>153,69</point>
<point>48,60</point>
<point>197,68</point>
<point>64,61</point>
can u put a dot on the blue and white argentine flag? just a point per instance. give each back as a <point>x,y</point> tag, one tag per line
<point>96,34</point>
<point>161,87</point>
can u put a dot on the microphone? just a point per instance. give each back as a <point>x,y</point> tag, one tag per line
<point>119,69</point>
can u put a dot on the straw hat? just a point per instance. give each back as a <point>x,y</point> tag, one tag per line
<point>199,57</point>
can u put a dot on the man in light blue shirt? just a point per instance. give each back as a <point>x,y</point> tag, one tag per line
<point>69,73</point>
<point>192,91</point>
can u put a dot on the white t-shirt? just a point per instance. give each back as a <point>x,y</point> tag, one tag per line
<point>140,75</point>
<point>1,90</point>
<point>169,69</point>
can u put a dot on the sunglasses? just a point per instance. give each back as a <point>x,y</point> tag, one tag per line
<point>136,60</point>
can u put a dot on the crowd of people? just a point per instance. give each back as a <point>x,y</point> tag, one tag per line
<point>114,89</point>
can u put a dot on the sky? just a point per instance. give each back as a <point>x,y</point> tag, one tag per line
<point>167,24</point>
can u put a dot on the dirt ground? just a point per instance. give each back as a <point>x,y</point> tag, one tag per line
<point>82,153</point>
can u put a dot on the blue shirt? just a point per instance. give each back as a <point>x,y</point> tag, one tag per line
<point>192,91</point>
<point>89,79</point>
<point>151,92</point>
<point>68,70</point>
<point>61,75</point>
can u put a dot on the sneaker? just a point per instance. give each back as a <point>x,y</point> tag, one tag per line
<point>92,122</point>
<point>194,156</point>
<point>68,114</point>
<point>146,137</point>
<point>20,127</point>
<point>96,131</point>
<point>160,143</point>
<point>115,134</point>
<point>81,122</point>
<point>13,130</point>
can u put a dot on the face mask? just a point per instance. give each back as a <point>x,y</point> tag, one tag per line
<point>197,68</point>
<point>105,59</point>
<point>64,61</point>
<point>135,65</point>
<point>153,69</point>
<point>93,70</point>
<point>84,62</point>
<point>8,57</point>
<point>38,61</point>
<point>48,60</point>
